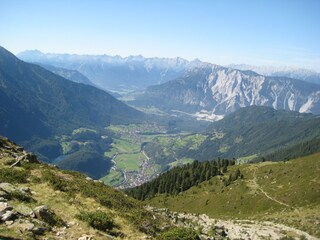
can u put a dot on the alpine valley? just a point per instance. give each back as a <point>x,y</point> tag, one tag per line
<point>110,147</point>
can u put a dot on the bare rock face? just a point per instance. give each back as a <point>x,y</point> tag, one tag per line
<point>221,91</point>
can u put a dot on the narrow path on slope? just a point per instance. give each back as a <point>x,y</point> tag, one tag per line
<point>263,192</point>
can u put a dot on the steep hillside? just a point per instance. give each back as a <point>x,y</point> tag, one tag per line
<point>38,201</point>
<point>72,75</point>
<point>255,130</point>
<point>219,91</point>
<point>37,104</point>
<point>284,193</point>
<point>300,149</point>
<point>114,72</point>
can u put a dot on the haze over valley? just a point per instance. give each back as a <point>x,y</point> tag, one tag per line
<point>123,122</point>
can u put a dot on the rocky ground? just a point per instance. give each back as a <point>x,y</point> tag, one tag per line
<point>21,218</point>
<point>16,215</point>
<point>209,228</point>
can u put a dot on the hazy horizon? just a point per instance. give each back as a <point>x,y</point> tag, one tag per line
<point>271,33</point>
<point>278,66</point>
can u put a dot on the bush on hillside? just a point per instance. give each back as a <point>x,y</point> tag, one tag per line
<point>55,181</point>
<point>98,220</point>
<point>12,175</point>
<point>179,234</point>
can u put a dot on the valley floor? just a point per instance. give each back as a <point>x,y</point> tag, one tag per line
<point>131,164</point>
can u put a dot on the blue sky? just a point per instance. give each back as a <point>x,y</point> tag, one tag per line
<point>260,32</point>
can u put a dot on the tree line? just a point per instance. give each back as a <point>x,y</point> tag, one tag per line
<point>181,178</point>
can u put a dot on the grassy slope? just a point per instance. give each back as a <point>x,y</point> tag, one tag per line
<point>67,194</point>
<point>293,186</point>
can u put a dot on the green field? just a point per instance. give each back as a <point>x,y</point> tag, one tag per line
<point>217,135</point>
<point>114,178</point>
<point>224,148</point>
<point>125,146</point>
<point>129,162</point>
<point>177,145</point>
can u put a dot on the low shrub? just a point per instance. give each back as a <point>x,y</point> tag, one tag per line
<point>179,234</point>
<point>13,175</point>
<point>55,181</point>
<point>21,196</point>
<point>98,220</point>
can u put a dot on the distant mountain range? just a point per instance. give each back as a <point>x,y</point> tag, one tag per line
<point>219,91</point>
<point>291,72</point>
<point>115,72</point>
<point>123,74</point>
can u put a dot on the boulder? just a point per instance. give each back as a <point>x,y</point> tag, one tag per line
<point>26,190</point>
<point>24,210</point>
<point>3,194</point>
<point>4,207</point>
<point>9,222</point>
<point>85,238</point>
<point>8,215</point>
<point>45,214</point>
<point>39,227</point>
<point>26,227</point>
<point>39,230</point>
<point>89,179</point>
<point>8,188</point>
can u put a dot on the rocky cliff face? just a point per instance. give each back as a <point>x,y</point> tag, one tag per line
<point>224,90</point>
